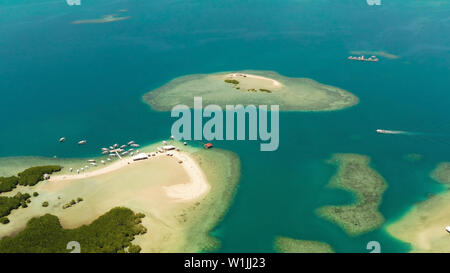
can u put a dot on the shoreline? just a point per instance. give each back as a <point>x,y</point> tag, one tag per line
<point>183,192</point>
<point>183,202</point>
<point>252,76</point>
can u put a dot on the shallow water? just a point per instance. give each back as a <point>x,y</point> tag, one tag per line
<point>86,82</point>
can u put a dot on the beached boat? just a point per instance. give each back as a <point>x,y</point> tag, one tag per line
<point>141,156</point>
<point>168,147</point>
<point>447,228</point>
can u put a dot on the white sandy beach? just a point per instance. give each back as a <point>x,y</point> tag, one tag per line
<point>197,185</point>
<point>194,187</point>
<point>272,82</point>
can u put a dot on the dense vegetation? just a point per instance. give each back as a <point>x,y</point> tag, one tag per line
<point>232,81</point>
<point>72,203</point>
<point>28,177</point>
<point>7,204</point>
<point>33,175</point>
<point>110,233</point>
<point>8,183</point>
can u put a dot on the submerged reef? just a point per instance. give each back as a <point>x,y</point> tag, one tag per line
<point>289,245</point>
<point>356,176</point>
<point>442,173</point>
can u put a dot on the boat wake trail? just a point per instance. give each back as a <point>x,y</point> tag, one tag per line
<point>437,138</point>
<point>408,133</point>
<point>396,132</point>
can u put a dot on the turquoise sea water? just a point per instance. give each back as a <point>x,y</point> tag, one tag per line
<point>86,81</point>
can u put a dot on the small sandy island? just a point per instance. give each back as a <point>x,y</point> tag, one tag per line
<point>175,190</point>
<point>250,88</point>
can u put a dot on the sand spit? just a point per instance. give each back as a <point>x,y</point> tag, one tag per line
<point>195,187</point>
<point>195,184</point>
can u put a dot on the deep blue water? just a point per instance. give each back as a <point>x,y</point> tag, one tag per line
<point>86,82</point>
